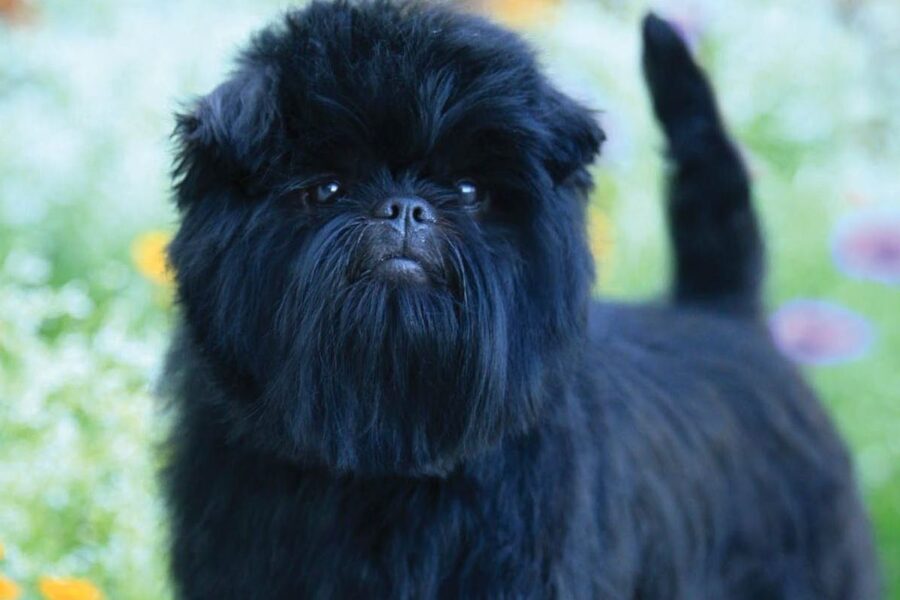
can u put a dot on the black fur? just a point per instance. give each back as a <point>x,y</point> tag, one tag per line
<point>718,252</point>
<point>482,430</point>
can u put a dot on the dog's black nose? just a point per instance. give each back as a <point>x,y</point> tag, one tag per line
<point>406,211</point>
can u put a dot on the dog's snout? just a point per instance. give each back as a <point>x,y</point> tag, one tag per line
<point>406,210</point>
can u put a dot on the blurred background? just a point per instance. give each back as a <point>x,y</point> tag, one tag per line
<point>87,91</point>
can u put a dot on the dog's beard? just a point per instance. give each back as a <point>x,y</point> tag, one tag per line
<point>320,360</point>
<point>358,372</point>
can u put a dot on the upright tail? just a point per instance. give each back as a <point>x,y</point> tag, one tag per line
<point>715,236</point>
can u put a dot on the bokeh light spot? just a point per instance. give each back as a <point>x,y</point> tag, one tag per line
<point>867,246</point>
<point>818,332</point>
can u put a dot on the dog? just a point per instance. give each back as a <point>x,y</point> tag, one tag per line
<point>391,381</point>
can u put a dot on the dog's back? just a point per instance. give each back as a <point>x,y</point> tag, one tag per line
<point>733,480</point>
<point>733,483</point>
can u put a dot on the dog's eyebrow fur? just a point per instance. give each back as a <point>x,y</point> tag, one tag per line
<point>332,75</point>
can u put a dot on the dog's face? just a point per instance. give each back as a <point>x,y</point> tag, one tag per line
<point>382,256</point>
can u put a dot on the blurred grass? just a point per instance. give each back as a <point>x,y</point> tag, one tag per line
<point>86,96</point>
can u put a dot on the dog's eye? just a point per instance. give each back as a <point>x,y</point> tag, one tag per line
<point>327,192</point>
<point>468,193</point>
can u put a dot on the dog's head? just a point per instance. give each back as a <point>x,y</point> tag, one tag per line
<point>382,253</point>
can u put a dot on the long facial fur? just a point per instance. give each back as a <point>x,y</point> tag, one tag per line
<point>315,360</point>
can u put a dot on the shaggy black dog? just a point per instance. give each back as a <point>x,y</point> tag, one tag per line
<point>391,381</point>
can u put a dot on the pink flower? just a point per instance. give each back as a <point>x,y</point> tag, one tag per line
<point>818,332</point>
<point>866,245</point>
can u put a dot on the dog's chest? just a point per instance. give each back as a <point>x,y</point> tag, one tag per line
<point>517,524</point>
<point>422,539</point>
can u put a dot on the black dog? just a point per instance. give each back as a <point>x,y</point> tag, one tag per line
<point>392,382</point>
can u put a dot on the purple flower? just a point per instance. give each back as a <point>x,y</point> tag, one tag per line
<point>866,245</point>
<point>818,332</point>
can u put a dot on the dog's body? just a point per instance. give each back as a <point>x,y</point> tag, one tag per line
<point>524,443</point>
<point>685,460</point>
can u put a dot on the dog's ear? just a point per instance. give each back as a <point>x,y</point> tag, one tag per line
<point>227,135</point>
<point>575,136</point>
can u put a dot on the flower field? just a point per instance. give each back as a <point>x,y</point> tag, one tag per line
<point>87,91</point>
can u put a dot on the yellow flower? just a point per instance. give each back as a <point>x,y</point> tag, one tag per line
<point>8,589</point>
<point>148,251</point>
<point>68,589</point>
<point>520,13</point>
<point>600,235</point>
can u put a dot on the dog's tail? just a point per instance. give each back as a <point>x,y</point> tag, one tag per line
<point>715,235</point>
